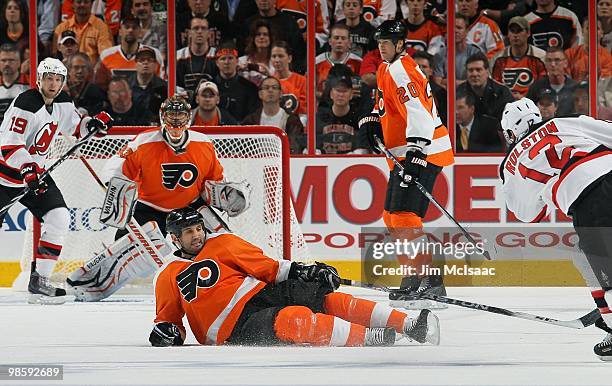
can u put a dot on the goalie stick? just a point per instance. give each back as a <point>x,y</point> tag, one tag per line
<point>582,322</point>
<point>431,198</point>
<point>48,171</point>
<point>133,227</point>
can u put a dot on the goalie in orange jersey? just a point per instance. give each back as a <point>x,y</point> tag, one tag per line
<point>232,293</point>
<point>405,118</point>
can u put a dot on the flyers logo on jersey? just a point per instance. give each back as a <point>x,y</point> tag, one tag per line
<point>289,102</point>
<point>517,76</point>
<point>43,138</point>
<point>183,174</point>
<point>203,274</point>
<point>544,40</point>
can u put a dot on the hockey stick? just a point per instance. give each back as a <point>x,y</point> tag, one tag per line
<point>133,227</point>
<point>431,198</point>
<point>582,322</point>
<point>47,172</point>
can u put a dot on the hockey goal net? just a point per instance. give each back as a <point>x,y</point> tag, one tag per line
<point>256,154</point>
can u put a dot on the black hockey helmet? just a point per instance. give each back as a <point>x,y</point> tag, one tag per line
<point>394,30</point>
<point>179,219</point>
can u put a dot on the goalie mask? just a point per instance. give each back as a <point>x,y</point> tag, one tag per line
<point>50,66</point>
<point>518,117</point>
<point>174,115</point>
<point>177,221</point>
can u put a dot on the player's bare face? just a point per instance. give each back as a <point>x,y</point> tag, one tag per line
<point>51,85</point>
<point>388,50</point>
<point>192,239</point>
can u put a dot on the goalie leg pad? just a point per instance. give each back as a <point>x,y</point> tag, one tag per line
<point>119,263</point>
<point>231,197</point>
<point>118,205</point>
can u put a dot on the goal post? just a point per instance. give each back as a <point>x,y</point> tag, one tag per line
<point>257,154</point>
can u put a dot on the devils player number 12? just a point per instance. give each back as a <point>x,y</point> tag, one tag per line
<point>18,125</point>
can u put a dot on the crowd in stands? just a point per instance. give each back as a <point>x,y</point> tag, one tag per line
<point>244,61</point>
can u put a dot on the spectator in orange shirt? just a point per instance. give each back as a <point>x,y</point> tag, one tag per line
<point>293,84</point>
<point>208,112</point>
<point>120,60</point>
<point>578,56</point>
<point>424,34</point>
<point>108,10</point>
<point>93,35</point>
<point>339,53</point>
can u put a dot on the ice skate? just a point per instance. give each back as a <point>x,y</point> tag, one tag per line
<point>42,292</point>
<point>603,349</point>
<point>380,336</point>
<point>412,287</point>
<point>425,328</point>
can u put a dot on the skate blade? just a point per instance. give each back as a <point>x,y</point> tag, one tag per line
<point>433,329</point>
<point>417,304</point>
<point>606,358</point>
<point>46,300</point>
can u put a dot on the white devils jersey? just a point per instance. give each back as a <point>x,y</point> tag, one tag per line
<point>554,164</point>
<point>28,130</point>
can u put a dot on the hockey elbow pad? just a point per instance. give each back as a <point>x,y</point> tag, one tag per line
<point>166,334</point>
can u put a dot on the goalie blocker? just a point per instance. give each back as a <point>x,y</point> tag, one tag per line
<point>118,205</point>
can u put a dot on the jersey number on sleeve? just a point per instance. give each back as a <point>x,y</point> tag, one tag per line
<point>18,125</point>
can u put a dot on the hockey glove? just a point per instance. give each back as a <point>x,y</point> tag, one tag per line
<point>370,124</point>
<point>100,123</point>
<point>317,272</point>
<point>31,176</point>
<point>166,334</point>
<point>414,164</point>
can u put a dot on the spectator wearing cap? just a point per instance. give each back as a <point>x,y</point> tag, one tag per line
<point>519,64</point>
<point>148,89</point>
<point>208,112</point>
<point>93,35</point>
<point>67,45</point>
<point>553,26</point>
<point>463,50</point>
<point>237,95</point>
<point>216,15</point>
<point>337,127</point>
<point>120,60</point>
<point>339,53</point>
<point>361,32</point>
<point>482,30</point>
<point>271,114</point>
<point>12,83</point>
<point>475,133</point>
<point>197,61</point>
<point>556,79</point>
<point>284,28</point>
<point>123,110</point>
<point>547,103</point>
<point>578,57</point>
<point>152,30</point>
<point>293,85</point>
<point>88,97</point>
<point>491,97</point>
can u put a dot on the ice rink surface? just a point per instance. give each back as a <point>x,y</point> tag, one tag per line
<point>106,344</point>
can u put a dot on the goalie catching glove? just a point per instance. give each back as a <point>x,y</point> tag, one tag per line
<point>318,272</point>
<point>166,334</point>
<point>230,197</point>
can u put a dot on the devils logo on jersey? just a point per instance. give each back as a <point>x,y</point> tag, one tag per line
<point>517,77</point>
<point>43,139</point>
<point>203,274</point>
<point>183,174</point>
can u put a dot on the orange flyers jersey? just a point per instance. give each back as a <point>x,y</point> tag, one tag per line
<point>110,9</point>
<point>294,93</point>
<point>213,288</point>
<point>297,9</point>
<point>166,180</point>
<point>519,74</point>
<point>485,33</point>
<point>421,36</point>
<point>114,63</point>
<point>324,63</point>
<point>406,108</point>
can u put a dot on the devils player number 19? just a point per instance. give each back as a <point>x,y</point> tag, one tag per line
<point>18,125</point>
